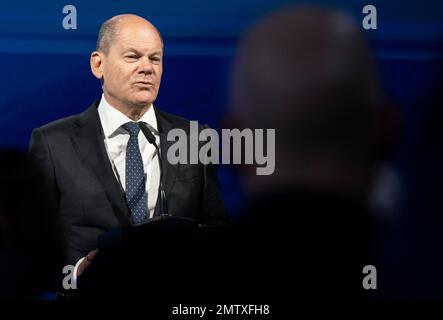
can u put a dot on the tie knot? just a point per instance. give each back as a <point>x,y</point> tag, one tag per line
<point>133,128</point>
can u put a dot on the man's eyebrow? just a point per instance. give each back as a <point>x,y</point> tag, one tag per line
<point>131,49</point>
<point>128,49</point>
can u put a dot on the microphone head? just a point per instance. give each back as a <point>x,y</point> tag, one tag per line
<point>148,134</point>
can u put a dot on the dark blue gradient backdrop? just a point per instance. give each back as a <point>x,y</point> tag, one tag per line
<point>45,75</point>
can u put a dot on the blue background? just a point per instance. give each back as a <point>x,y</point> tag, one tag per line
<point>45,75</point>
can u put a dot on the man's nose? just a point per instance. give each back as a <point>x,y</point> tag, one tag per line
<point>146,65</point>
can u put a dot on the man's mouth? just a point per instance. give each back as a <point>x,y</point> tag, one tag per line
<point>144,83</point>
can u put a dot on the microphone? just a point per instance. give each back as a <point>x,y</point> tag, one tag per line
<point>148,134</point>
<point>151,139</point>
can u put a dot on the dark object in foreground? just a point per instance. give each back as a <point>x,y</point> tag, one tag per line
<point>165,258</point>
<point>289,244</point>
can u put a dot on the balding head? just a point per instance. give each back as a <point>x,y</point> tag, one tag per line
<point>109,30</point>
<point>307,72</point>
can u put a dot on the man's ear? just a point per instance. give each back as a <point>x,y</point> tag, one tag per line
<point>96,62</point>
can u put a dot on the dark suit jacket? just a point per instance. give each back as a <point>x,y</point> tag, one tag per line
<point>72,156</point>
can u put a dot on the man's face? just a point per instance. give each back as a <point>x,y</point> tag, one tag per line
<point>132,69</point>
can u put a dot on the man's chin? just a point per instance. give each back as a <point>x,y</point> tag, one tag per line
<point>143,101</point>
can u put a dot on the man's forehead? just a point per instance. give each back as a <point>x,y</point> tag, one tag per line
<point>139,41</point>
<point>140,45</point>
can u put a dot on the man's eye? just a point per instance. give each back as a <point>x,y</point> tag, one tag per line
<point>131,57</point>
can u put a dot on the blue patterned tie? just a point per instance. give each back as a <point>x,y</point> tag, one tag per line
<point>135,176</point>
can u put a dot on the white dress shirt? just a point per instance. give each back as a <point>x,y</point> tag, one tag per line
<point>116,139</point>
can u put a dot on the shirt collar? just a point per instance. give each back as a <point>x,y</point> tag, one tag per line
<point>112,119</point>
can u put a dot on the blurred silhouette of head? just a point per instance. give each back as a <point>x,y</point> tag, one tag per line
<point>308,73</point>
<point>31,252</point>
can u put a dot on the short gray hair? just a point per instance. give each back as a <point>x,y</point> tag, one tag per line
<point>106,35</point>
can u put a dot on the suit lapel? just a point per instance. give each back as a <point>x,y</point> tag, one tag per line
<point>88,139</point>
<point>169,170</point>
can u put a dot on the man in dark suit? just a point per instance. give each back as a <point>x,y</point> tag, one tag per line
<point>102,170</point>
